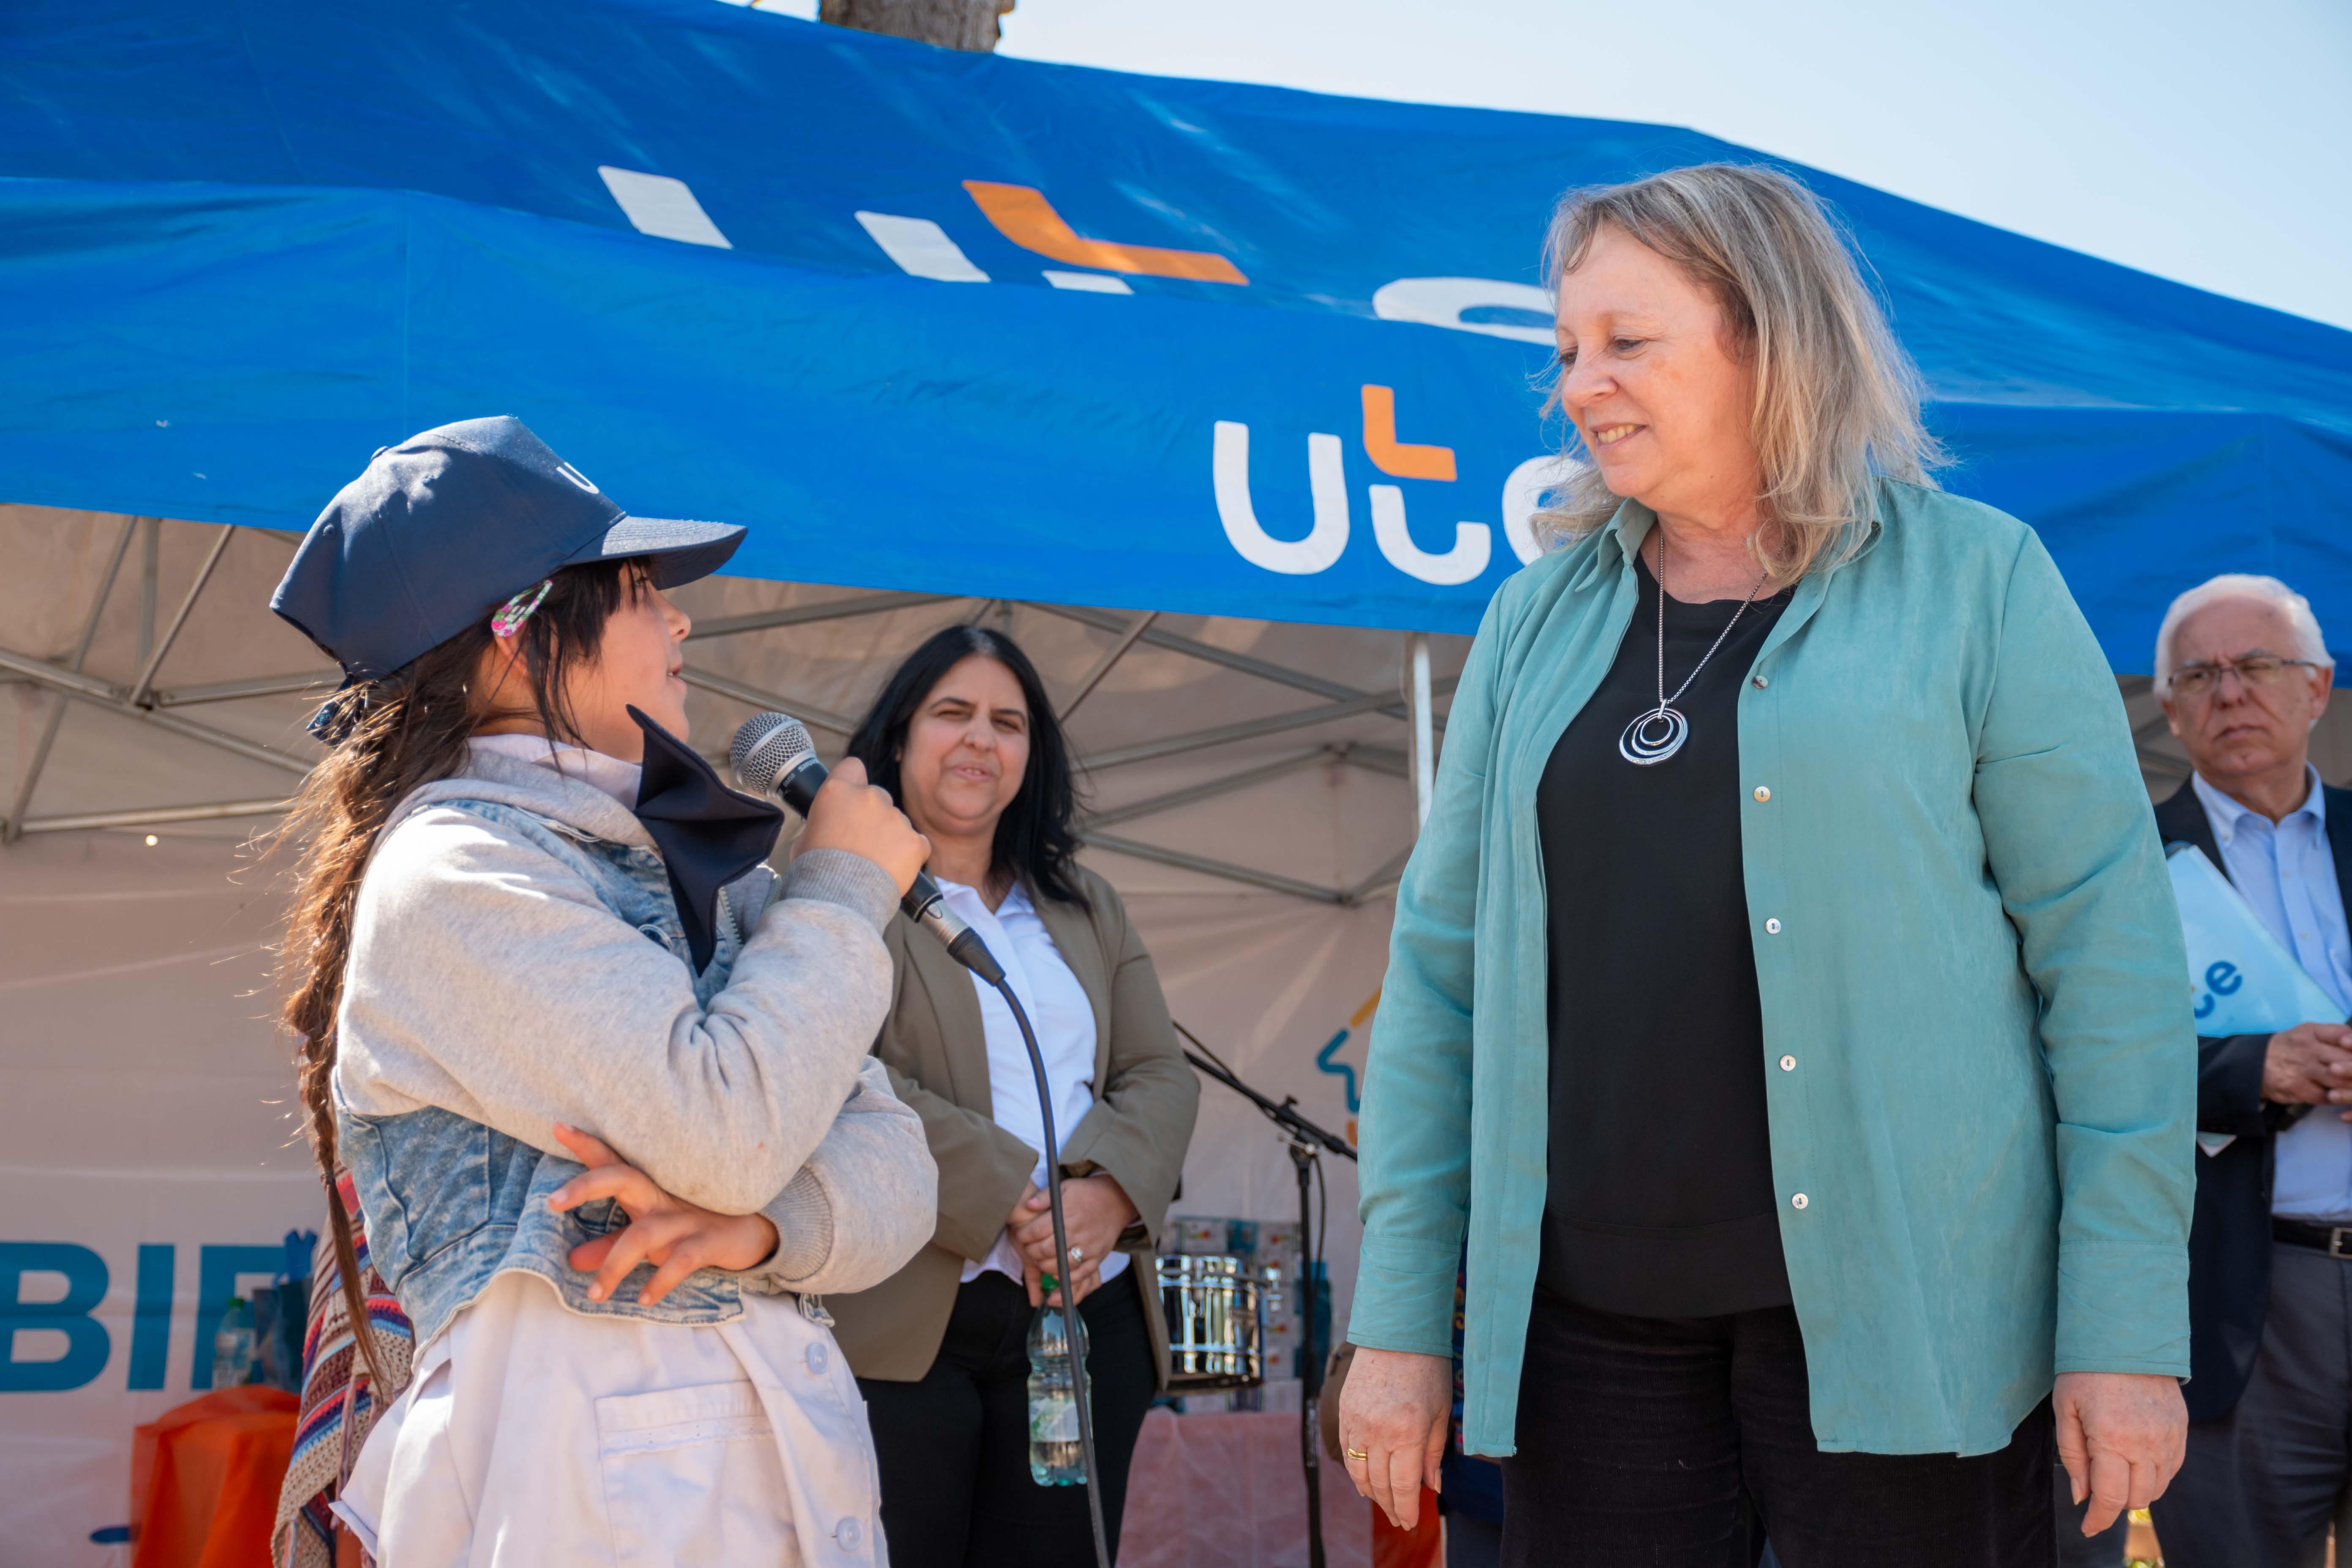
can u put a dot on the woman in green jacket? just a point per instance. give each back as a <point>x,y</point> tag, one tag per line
<point>1785,996</point>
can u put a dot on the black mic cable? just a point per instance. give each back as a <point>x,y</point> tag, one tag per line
<point>774,757</point>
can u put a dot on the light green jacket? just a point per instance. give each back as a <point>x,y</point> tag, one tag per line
<point>1965,939</point>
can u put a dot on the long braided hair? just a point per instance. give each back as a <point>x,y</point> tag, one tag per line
<point>410,731</point>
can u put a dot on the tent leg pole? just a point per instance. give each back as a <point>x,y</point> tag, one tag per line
<point>1425,762</point>
<point>13,827</point>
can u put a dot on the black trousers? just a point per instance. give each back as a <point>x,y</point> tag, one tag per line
<point>1683,1442</point>
<point>954,1446</point>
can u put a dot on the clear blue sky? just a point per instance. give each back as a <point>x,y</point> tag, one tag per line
<point>2209,143</point>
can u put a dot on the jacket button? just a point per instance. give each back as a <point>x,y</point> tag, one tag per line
<point>1800,1201</point>
<point>1763,792</point>
<point>1788,1064</point>
<point>817,1359</point>
<point>1760,682</point>
<point>1773,927</point>
<point>849,1532</point>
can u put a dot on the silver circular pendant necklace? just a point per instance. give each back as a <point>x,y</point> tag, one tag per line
<point>1657,733</point>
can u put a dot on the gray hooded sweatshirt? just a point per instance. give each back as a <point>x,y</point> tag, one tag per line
<point>489,980</point>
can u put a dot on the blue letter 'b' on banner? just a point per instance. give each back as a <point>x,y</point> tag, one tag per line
<point>87,1345</point>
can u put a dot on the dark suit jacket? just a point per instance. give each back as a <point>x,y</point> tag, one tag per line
<point>2230,1238</point>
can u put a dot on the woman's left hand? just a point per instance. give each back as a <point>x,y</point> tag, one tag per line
<point>2121,1436</point>
<point>1095,1209</point>
<point>676,1236</point>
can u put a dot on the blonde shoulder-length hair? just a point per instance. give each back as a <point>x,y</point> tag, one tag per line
<point>1837,399</point>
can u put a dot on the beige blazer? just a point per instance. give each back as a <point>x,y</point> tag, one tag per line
<point>1145,1100</point>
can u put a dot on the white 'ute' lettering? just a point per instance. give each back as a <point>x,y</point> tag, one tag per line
<point>1471,543</point>
<point>1440,302</point>
<point>1327,482</point>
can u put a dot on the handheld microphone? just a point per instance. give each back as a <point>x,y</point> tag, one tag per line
<point>774,757</point>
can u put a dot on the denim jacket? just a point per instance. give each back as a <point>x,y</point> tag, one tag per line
<point>450,1201</point>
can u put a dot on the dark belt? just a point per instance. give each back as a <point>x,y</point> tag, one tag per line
<point>2336,1240</point>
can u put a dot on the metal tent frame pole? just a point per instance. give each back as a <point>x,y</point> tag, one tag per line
<point>1117,651</point>
<point>1424,740</point>
<point>143,700</point>
<point>12,825</point>
<point>113,699</point>
<point>138,697</point>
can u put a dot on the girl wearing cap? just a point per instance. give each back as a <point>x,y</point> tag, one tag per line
<point>603,1095</point>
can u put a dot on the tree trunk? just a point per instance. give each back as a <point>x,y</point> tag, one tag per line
<point>953,24</point>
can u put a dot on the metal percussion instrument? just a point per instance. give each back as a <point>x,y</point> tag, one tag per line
<point>1216,1325</point>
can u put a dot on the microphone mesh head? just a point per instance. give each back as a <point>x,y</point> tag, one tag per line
<point>766,748</point>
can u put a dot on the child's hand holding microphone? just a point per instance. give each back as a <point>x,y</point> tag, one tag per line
<point>850,813</point>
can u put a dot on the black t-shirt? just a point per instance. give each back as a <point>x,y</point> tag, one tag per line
<point>1660,1200</point>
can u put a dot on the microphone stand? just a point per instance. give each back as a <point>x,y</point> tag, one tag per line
<point>977,958</point>
<point>1306,1144</point>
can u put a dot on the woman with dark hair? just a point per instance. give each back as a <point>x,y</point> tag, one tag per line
<point>964,736</point>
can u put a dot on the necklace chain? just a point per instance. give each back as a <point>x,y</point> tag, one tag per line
<point>1665,702</point>
<point>1637,745</point>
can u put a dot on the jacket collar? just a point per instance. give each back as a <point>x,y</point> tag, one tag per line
<point>956,1005</point>
<point>1074,936</point>
<point>705,834</point>
<point>2181,819</point>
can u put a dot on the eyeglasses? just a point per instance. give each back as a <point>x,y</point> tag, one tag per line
<point>2198,681</point>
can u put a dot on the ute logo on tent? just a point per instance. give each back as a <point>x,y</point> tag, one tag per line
<point>1328,491</point>
<point>663,207</point>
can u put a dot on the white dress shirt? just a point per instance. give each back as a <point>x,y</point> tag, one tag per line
<point>2286,873</point>
<point>1065,1021</point>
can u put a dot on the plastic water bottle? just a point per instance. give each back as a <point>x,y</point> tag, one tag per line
<point>1055,1458</point>
<point>234,1345</point>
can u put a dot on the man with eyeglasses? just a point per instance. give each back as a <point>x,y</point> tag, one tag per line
<point>2243,676</point>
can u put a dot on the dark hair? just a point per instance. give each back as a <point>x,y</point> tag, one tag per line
<point>1034,840</point>
<point>411,730</point>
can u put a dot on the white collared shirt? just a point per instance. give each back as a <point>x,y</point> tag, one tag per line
<point>2286,873</point>
<point>1063,1016</point>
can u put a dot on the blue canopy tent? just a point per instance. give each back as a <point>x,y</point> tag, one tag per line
<point>949,327</point>
<point>970,325</point>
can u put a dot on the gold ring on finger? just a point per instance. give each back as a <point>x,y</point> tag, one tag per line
<point>1358,1454</point>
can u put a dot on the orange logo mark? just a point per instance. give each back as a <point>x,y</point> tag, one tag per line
<point>1025,217</point>
<point>1390,456</point>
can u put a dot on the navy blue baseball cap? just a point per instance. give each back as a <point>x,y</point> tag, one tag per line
<point>442,528</point>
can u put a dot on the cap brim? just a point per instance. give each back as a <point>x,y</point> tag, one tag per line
<point>681,551</point>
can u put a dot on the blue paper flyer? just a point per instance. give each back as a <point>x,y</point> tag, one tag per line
<point>2241,981</point>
